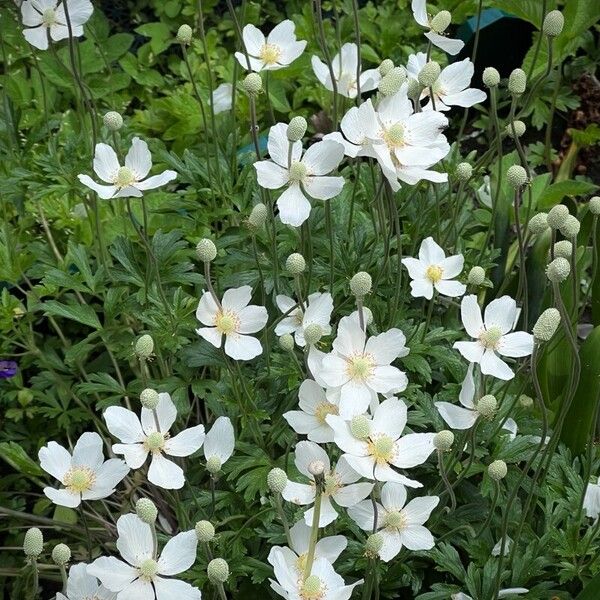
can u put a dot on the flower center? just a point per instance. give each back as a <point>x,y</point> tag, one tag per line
<point>227,322</point>
<point>148,569</point>
<point>434,273</point>
<point>270,53</point>
<point>332,485</point>
<point>155,442</point>
<point>360,367</point>
<point>395,519</point>
<point>79,479</point>
<point>491,337</point>
<point>298,171</point>
<point>324,409</point>
<point>312,588</point>
<point>381,448</point>
<point>394,136</point>
<point>124,177</point>
<point>298,317</point>
<point>49,17</point>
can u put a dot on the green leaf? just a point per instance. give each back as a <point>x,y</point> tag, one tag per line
<point>591,591</point>
<point>18,459</point>
<point>555,192</point>
<point>82,313</point>
<point>159,33</point>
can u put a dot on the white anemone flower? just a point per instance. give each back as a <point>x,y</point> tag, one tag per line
<point>362,368</point>
<point>314,408</point>
<point>451,88</point>
<point>127,181</point>
<point>591,500</point>
<point>295,556</point>
<point>279,49</point>
<point>381,444</point>
<point>344,66</point>
<point>46,18</point>
<point>501,594</point>
<point>142,575</point>
<point>498,547</point>
<point>302,175</point>
<point>323,583</point>
<point>234,319</point>
<point>492,335</point>
<point>317,311</point>
<point>432,270</point>
<point>219,443</point>
<point>83,586</point>
<point>84,474</point>
<point>399,524</point>
<point>222,99</point>
<point>419,9</point>
<point>150,435</point>
<point>340,484</point>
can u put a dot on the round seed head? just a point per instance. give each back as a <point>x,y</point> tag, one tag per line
<point>570,228</point>
<point>476,276</point>
<point>557,216</point>
<point>316,468</point>
<point>277,480</point>
<point>546,325</point>
<point>360,284</point>
<point>538,223</point>
<point>564,248</point>
<point>440,22</point>
<point>184,34</point>
<point>517,82</point>
<point>295,264</point>
<point>491,77</point>
<point>558,270</point>
<point>217,570</point>
<point>286,342</point>
<point>205,531</point>
<point>144,346</point>
<point>516,176</point>
<point>206,250</point>
<point>258,216</point>
<point>429,73</point>
<point>360,427</point>
<point>525,401</point>
<point>486,406</point>
<point>414,89</point>
<point>520,129</point>
<point>595,205</point>
<point>313,333</point>
<point>463,171</point>
<point>33,544</point>
<point>149,398</point>
<point>61,554</point>
<point>252,84</point>
<point>213,464</point>
<point>373,544</point>
<point>392,82</point>
<point>296,129</point>
<point>497,470</point>
<point>554,22</point>
<point>386,66</point>
<point>146,510</point>
<point>113,120</point>
<point>443,440</point>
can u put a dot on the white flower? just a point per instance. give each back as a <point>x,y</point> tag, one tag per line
<point>419,9</point>
<point>591,500</point>
<point>318,309</point>
<point>45,18</point>
<point>315,407</point>
<point>501,593</point>
<point>126,181</point>
<point>222,98</point>
<point>340,484</point>
<point>492,335</point>
<point>451,87</point>
<point>455,416</point>
<point>498,546</point>
<point>83,586</point>
<point>484,192</point>
<point>433,270</point>
<point>142,576</point>
<point>399,525</point>
<point>85,475</point>
<point>323,584</point>
<point>344,67</point>
<point>278,50</point>
<point>234,319</point>
<point>301,174</point>
<point>220,441</point>
<point>362,368</point>
<point>144,436</point>
<point>328,548</point>
<point>373,455</point>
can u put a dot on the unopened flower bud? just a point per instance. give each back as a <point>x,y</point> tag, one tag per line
<point>516,176</point>
<point>440,22</point>
<point>386,66</point>
<point>392,82</point>
<point>557,216</point>
<point>213,464</point>
<point>184,34</point>
<point>443,440</point>
<point>286,342</point>
<point>476,276</point>
<point>525,401</point>
<point>486,406</point>
<point>517,82</point>
<point>564,248</point>
<point>360,284</point>
<point>546,325</point>
<point>595,205</point>
<point>295,264</point>
<point>33,544</point>
<point>570,227</point>
<point>217,570</point>
<point>360,427</point>
<point>497,470</point>
<point>519,129</point>
<point>258,216</point>
<point>205,531</point>
<point>149,398</point>
<point>206,250</point>
<point>113,120</point>
<point>538,223</point>
<point>144,346</point>
<point>491,77</point>
<point>277,480</point>
<point>313,332</point>
<point>146,510</point>
<point>296,129</point>
<point>554,22</point>
<point>61,554</point>
<point>316,468</point>
<point>429,73</point>
<point>373,544</point>
<point>463,171</point>
<point>252,84</point>
<point>558,270</point>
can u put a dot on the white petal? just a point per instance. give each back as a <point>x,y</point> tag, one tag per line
<point>417,537</point>
<point>344,438</point>
<point>235,299</point>
<point>452,266</point>
<point>114,574</point>
<point>430,253</point>
<point>106,163</point>
<point>298,493</point>
<point>128,191</point>
<point>252,319</point>
<point>135,540</point>
<point>363,515</point>
<point>211,335</point>
<point>63,497</point>
<point>383,472</point>
<point>413,449</point>
<point>279,146</point>
<point>88,451</point>
<point>387,346</point>
<point>421,288</point>
<point>323,188</point>
<point>467,389</point>
<point>351,494</point>
<point>291,52</point>
<point>391,546</point>
<point>369,80</point>
<point>472,351</point>
<point>242,347</point>
<point>471,315</point>
<point>350,338</point>
<point>456,417</point>
<point>270,175</point>
<point>294,208</point>
<point>134,454</point>
<point>185,442</point>
<point>591,500</point>
<point>253,38</point>
<point>465,98</point>
<point>140,589</point>
<point>330,547</point>
<point>328,513</point>
<point>30,16</point>
<point>511,591</point>
<point>165,411</point>
<point>321,72</point>
<point>492,364</point>
<point>390,418</point>
<point>123,424</point>
<point>355,398</point>
<point>416,268</point>
<point>104,191</point>
<point>80,11</point>
<point>222,98</point>
<point>55,459</point>
<point>393,496</point>
<point>388,379</point>
<point>138,159</point>
<point>165,473</point>
<point>363,465</point>
<point>419,10</point>
<point>323,157</point>
<point>452,289</point>
<point>37,37</point>
<point>448,45</point>
<point>207,309</point>
<point>308,452</point>
<point>516,344</point>
<point>156,180</point>
<point>174,589</point>
<point>417,511</point>
<point>220,440</point>
<point>179,554</point>
<point>303,423</point>
<point>109,475</point>
<point>501,313</point>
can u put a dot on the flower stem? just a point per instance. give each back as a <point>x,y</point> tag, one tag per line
<point>314,533</point>
<point>284,521</point>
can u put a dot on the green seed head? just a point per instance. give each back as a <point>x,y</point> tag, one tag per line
<point>519,127</point>
<point>564,248</point>
<point>205,531</point>
<point>538,223</point>
<point>440,22</point>
<point>463,171</point>
<point>286,342</point>
<point>546,325</point>
<point>313,333</point>
<point>312,588</point>
<point>258,217</point>
<point>443,440</point>
<point>218,570</point>
<point>125,177</point>
<point>429,73</point>
<point>486,406</point>
<point>252,84</point>
<point>525,401</point>
<point>476,276</point>
<point>491,77</point>
<point>392,81</point>
<point>517,82</point>
<point>570,228</point>
<point>516,176</point>
<point>155,442</point>
<point>146,510</point>
<point>386,66</point>
<point>360,427</point>
<point>595,205</point>
<point>558,270</point>
<point>213,464</point>
<point>33,544</point>
<point>144,346</point>
<point>557,216</point>
<point>61,554</point>
<point>148,569</point>
<point>184,34</point>
<point>206,250</point>
<point>497,470</point>
<point>360,284</point>
<point>113,120</point>
<point>373,545</point>
<point>296,129</point>
<point>295,264</point>
<point>554,22</point>
<point>277,480</point>
<point>149,398</point>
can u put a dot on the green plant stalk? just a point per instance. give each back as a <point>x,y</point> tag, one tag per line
<point>283,518</point>
<point>324,48</point>
<point>522,288</point>
<point>358,51</point>
<point>444,477</point>
<point>63,576</point>
<point>490,515</point>
<point>314,532</point>
<point>36,578</point>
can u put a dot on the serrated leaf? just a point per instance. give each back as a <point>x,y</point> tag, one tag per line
<point>18,459</point>
<point>82,313</point>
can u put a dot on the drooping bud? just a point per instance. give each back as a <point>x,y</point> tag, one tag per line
<point>564,248</point>
<point>217,570</point>
<point>296,129</point>
<point>277,480</point>
<point>146,510</point>
<point>440,22</point>
<point>476,276</point>
<point>252,84</point>
<point>360,427</point>
<point>113,120</point>
<point>206,250</point>
<point>557,216</point>
<point>554,22</point>
<point>295,264</point>
<point>517,82</point>
<point>546,325</point>
<point>497,470</point>
<point>519,127</point>
<point>313,333</point>
<point>392,82</point>
<point>443,440</point>
<point>486,406</point>
<point>33,544</point>
<point>149,398</point>
<point>184,34</point>
<point>205,531</point>
<point>558,270</point>
<point>360,284</point>
<point>570,228</point>
<point>491,77</point>
<point>429,73</point>
<point>386,66</point>
<point>595,205</point>
<point>286,342</point>
<point>516,176</point>
<point>373,545</point>
<point>144,346</point>
<point>464,171</point>
<point>61,554</point>
<point>538,223</point>
<point>258,216</point>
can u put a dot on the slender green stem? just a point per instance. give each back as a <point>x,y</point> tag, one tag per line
<point>314,532</point>
<point>492,509</point>
<point>88,537</point>
<point>284,520</point>
<point>36,578</point>
<point>444,476</point>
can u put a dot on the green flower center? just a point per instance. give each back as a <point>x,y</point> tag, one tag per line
<point>79,479</point>
<point>125,177</point>
<point>226,322</point>
<point>382,448</point>
<point>332,485</point>
<point>312,588</point>
<point>155,442</point>
<point>394,136</point>
<point>148,569</point>
<point>270,53</point>
<point>360,367</point>
<point>298,171</point>
<point>395,519</point>
<point>49,17</point>
<point>434,273</point>
<point>324,409</point>
<point>491,337</point>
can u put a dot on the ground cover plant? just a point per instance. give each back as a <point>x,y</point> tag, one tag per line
<point>299,299</point>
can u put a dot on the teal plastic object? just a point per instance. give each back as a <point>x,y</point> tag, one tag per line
<point>245,152</point>
<point>488,16</point>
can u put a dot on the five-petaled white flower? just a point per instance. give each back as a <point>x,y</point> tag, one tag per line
<point>317,311</point>
<point>144,576</point>
<point>84,474</point>
<point>457,417</point>
<point>278,50</point>
<point>150,435</point>
<point>591,500</point>
<point>380,444</point>
<point>46,19</point>
<point>361,368</point>
<point>127,181</point>
<point>222,98</point>
<point>419,9</point>
<point>303,175</point>
<point>400,524</point>
<point>451,87</point>
<point>314,408</point>
<point>83,586</point>
<point>234,319</point>
<point>432,270</point>
<point>340,484</point>
<point>219,443</point>
<point>492,335</point>
<point>344,66</point>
